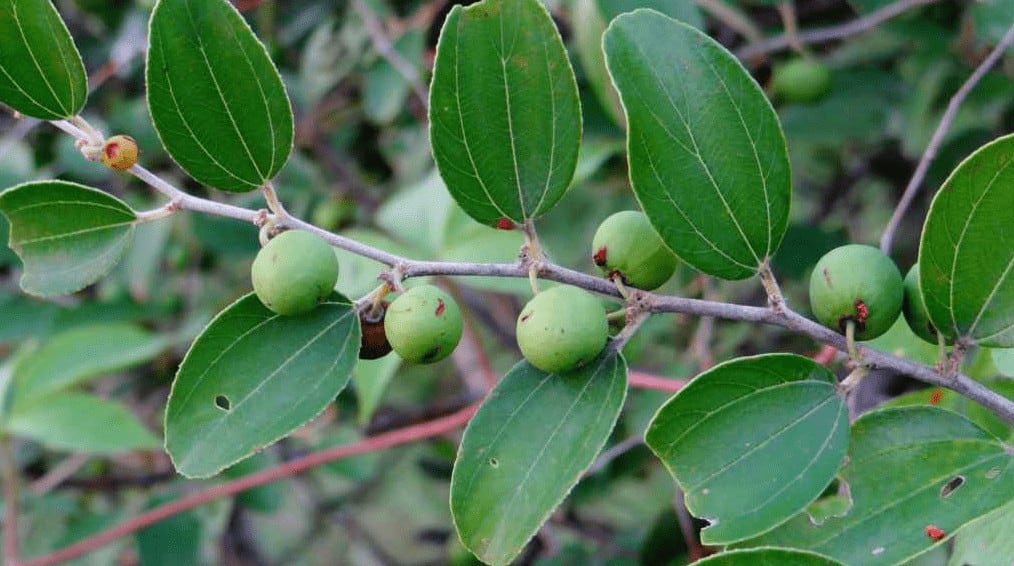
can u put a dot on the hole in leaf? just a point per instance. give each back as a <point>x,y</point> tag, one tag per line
<point>952,485</point>
<point>222,402</point>
<point>494,462</point>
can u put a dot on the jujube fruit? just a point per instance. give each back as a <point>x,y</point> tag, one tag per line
<point>860,284</point>
<point>801,80</point>
<point>915,309</point>
<point>374,343</point>
<point>561,329</point>
<point>294,272</point>
<point>120,152</point>
<point>423,325</point>
<point>625,243</point>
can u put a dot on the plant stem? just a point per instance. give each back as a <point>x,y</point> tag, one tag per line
<point>887,239</point>
<point>10,490</point>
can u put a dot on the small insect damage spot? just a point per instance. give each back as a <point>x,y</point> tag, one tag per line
<point>951,486</point>
<point>600,256</point>
<point>440,307</point>
<point>111,149</point>
<point>862,312</point>
<point>936,396</point>
<point>432,354</point>
<point>992,473</point>
<point>877,551</point>
<point>525,317</point>
<point>494,462</point>
<point>934,532</point>
<point>223,403</point>
<point>827,278</point>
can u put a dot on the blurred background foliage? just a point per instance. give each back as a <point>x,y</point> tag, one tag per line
<point>362,167</point>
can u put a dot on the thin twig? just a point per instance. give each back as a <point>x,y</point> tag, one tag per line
<point>614,452</point>
<point>887,239</point>
<point>733,18</point>
<point>388,52</point>
<point>10,490</point>
<point>859,25</point>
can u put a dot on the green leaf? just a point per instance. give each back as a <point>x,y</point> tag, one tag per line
<point>1004,360</point>
<point>172,541</point>
<point>752,442</point>
<point>385,89</point>
<point>215,97</point>
<point>966,257</point>
<point>81,354</point>
<point>528,445</point>
<point>67,235</point>
<point>908,468</point>
<point>505,118</point>
<point>78,422</point>
<point>708,161</point>
<point>768,557</point>
<point>986,541</point>
<point>252,377</point>
<point>371,378</point>
<point>41,73</point>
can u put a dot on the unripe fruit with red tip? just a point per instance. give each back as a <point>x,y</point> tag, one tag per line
<point>294,272</point>
<point>374,343</point>
<point>625,243</point>
<point>561,329</point>
<point>423,325</point>
<point>120,152</point>
<point>801,80</point>
<point>915,309</point>
<point>860,284</point>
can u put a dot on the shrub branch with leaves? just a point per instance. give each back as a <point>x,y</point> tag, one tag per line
<point>752,442</point>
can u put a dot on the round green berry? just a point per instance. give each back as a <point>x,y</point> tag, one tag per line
<point>625,243</point>
<point>859,284</point>
<point>915,309</point>
<point>801,80</point>
<point>423,325</point>
<point>561,329</point>
<point>294,272</point>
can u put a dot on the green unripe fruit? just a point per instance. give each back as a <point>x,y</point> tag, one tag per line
<point>857,283</point>
<point>625,243</point>
<point>561,329</point>
<point>294,272</point>
<point>801,80</point>
<point>423,325</point>
<point>915,310</point>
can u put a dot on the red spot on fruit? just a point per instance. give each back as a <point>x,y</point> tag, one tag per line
<point>112,149</point>
<point>504,223</point>
<point>440,307</point>
<point>934,532</point>
<point>600,256</point>
<point>862,312</point>
<point>936,396</point>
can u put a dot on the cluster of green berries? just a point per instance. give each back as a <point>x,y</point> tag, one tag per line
<point>296,271</point>
<point>861,286</point>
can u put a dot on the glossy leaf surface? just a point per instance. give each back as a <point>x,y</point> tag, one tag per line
<point>505,119</point>
<point>908,468</point>
<point>254,376</point>
<point>708,161</point>
<point>41,73</point>
<point>215,97</point>
<point>752,442</point>
<point>525,449</point>
<point>67,235</point>
<point>966,256</point>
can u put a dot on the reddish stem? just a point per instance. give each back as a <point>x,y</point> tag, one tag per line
<point>381,441</point>
<point>391,439</point>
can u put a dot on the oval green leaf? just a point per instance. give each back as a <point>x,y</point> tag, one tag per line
<point>768,557</point>
<point>78,422</point>
<point>215,97</point>
<point>80,354</point>
<point>505,118</point>
<point>253,376</point>
<point>752,442</point>
<point>708,161</point>
<point>41,72</point>
<point>908,468</point>
<point>67,235</point>
<point>966,256</point>
<point>525,449</point>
